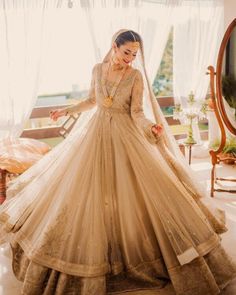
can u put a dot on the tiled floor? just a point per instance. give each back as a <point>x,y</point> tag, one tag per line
<point>10,286</point>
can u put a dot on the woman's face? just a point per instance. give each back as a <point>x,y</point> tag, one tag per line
<point>126,53</point>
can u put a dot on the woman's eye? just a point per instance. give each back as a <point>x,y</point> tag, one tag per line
<point>126,53</point>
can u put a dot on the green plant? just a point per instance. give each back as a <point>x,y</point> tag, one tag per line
<point>229,148</point>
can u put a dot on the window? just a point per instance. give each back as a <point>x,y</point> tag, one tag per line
<point>163,83</point>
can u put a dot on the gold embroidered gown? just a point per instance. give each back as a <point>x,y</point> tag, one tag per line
<point>88,218</point>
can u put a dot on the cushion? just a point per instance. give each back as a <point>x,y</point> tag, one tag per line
<point>18,154</point>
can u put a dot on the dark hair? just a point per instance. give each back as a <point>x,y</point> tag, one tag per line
<point>128,36</point>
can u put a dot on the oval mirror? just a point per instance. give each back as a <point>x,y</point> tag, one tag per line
<point>226,78</point>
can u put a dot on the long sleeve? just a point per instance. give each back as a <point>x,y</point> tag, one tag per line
<point>137,113</point>
<point>88,103</point>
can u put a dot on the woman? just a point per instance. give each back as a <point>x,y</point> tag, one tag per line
<point>111,209</point>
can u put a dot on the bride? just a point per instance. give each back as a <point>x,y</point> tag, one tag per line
<point>114,208</point>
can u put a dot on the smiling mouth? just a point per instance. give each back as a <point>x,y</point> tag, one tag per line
<point>125,61</point>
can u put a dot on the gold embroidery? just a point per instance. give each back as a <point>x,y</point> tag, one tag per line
<point>54,237</point>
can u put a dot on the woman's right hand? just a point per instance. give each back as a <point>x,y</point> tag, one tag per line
<point>55,114</point>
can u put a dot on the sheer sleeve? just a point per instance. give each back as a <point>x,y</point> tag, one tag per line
<point>88,103</point>
<point>137,113</point>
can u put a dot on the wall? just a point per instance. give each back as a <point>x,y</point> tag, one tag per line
<point>230,11</point>
<point>229,15</point>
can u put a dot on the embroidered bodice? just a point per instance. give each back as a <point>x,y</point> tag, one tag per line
<point>128,98</point>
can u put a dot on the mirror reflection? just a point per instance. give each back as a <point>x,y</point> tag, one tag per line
<point>229,79</point>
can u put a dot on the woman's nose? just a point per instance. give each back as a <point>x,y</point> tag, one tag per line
<point>130,58</point>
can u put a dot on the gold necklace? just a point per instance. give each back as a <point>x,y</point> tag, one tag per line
<point>108,100</point>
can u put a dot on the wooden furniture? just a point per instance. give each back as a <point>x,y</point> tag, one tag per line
<point>3,174</point>
<point>48,131</point>
<point>189,146</point>
<point>183,146</point>
<point>226,124</point>
<point>68,124</point>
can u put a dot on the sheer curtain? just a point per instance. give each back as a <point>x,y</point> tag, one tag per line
<point>68,58</point>
<point>28,57</point>
<point>21,34</point>
<point>149,18</point>
<point>198,28</point>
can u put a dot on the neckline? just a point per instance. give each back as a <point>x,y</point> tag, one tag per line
<point>116,83</point>
<point>115,67</point>
<point>127,77</point>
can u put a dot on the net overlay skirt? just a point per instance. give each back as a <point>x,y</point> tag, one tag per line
<point>87,219</point>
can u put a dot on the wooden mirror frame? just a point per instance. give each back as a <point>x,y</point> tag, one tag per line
<point>220,59</point>
<point>221,116</point>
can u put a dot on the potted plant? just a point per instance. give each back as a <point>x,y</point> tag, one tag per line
<point>229,151</point>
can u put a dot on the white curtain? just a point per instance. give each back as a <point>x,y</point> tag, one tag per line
<point>149,18</point>
<point>152,19</point>
<point>68,58</point>
<point>22,28</point>
<point>198,28</point>
<point>36,38</point>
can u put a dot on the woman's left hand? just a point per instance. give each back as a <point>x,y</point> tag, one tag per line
<point>157,129</point>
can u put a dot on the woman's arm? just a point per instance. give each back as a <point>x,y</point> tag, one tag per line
<point>81,106</point>
<point>150,129</point>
